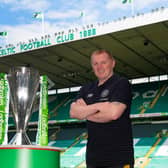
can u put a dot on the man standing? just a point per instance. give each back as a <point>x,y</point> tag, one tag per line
<point>105,104</point>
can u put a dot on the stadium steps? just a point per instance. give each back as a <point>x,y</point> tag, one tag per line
<point>161,105</point>
<point>62,115</point>
<point>140,102</point>
<point>65,144</point>
<point>75,154</point>
<point>149,151</point>
<point>54,112</point>
<point>153,102</point>
<point>150,108</point>
<point>147,158</point>
<point>81,165</point>
<point>150,99</point>
<point>145,149</point>
<point>159,157</point>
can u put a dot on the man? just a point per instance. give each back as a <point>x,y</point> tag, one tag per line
<point>105,104</point>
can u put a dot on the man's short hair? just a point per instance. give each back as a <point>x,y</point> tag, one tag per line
<point>102,51</point>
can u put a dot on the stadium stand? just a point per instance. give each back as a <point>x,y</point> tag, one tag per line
<point>75,155</point>
<point>59,109</point>
<point>151,147</point>
<point>149,100</point>
<point>152,152</point>
<point>150,141</point>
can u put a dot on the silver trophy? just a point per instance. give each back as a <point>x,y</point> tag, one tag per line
<point>23,84</point>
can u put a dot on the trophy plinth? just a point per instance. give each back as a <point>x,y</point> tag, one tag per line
<point>23,84</point>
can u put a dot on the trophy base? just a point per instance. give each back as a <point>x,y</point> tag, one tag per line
<point>20,138</point>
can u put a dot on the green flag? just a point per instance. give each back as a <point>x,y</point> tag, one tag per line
<point>81,14</point>
<point>38,15</point>
<point>3,33</point>
<point>125,1</point>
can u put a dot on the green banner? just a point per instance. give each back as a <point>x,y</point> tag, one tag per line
<point>4,108</point>
<point>42,132</point>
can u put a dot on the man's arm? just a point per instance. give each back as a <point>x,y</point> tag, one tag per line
<point>98,112</point>
<point>112,110</point>
<point>107,111</point>
<point>80,110</point>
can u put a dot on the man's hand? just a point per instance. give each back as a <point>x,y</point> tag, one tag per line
<point>80,110</point>
<point>81,102</point>
<point>107,111</point>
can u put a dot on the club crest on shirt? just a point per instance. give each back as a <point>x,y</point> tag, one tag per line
<point>90,95</point>
<point>104,93</point>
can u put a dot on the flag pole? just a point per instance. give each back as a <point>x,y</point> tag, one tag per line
<point>42,22</point>
<point>82,17</point>
<point>4,36</point>
<point>40,15</point>
<point>6,39</point>
<point>132,7</point>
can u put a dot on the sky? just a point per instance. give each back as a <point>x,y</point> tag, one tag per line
<point>16,16</point>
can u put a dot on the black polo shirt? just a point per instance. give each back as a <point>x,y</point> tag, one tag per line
<point>109,143</point>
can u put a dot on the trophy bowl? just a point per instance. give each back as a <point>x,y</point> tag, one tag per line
<point>23,84</point>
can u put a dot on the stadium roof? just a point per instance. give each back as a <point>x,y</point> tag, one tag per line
<point>139,45</point>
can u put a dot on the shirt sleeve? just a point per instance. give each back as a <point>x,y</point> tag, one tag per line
<point>122,92</point>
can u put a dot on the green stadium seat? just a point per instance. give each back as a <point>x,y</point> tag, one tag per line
<point>150,99</point>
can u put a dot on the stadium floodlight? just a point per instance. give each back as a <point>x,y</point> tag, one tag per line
<point>163,77</point>
<point>140,80</point>
<point>75,89</point>
<point>64,90</point>
<point>153,78</point>
<point>51,92</point>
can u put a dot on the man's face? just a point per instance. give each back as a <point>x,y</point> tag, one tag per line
<point>102,66</point>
